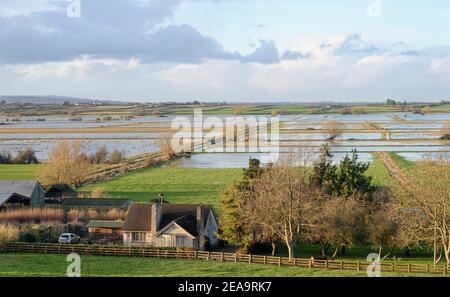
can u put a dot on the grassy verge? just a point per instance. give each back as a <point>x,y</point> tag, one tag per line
<point>55,265</point>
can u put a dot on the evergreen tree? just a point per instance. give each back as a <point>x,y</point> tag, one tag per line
<point>324,175</point>
<point>233,229</point>
<point>352,180</point>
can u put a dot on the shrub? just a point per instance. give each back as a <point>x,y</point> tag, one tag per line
<point>27,236</point>
<point>100,156</point>
<point>150,162</point>
<point>116,157</point>
<point>100,193</point>
<point>6,158</point>
<point>26,156</point>
<point>8,233</point>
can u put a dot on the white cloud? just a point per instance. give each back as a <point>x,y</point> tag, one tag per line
<point>440,67</point>
<point>78,67</point>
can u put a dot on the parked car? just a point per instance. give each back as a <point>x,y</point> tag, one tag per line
<point>68,238</point>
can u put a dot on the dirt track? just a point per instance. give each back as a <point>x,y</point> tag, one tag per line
<point>395,171</point>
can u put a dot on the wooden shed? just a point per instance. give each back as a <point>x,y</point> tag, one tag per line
<point>105,230</point>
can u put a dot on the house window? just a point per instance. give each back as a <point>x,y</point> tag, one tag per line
<point>174,240</point>
<point>180,240</point>
<point>138,236</point>
<point>169,240</point>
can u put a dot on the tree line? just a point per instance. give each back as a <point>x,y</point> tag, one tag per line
<point>304,199</point>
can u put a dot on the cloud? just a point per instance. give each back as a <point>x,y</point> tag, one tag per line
<point>440,67</point>
<point>79,67</point>
<point>294,55</point>
<point>266,53</point>
<point>107,29</point>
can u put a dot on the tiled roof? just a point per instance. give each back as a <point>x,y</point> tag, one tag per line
<point>138,217</point>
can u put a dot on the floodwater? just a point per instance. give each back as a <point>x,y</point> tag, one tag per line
<point>412,136</point>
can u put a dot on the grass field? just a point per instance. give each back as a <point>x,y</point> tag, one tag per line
<point>48,265</point>
<point>20,172</point>
<point>179,185</point>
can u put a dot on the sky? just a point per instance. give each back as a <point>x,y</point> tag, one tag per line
<point>226,50</point>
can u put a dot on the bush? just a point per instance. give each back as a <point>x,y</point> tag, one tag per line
<point>100,156</point>
<point>100,193</point>
<point>445,137</point>
<point>116,157</point>
<point>26,156</point>
<point>27,237</point>
<point>6,158</point>
<point>8,233</point>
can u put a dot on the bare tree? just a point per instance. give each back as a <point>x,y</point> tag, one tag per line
<point>282,204</point>
<point>430,196</point>
<point>334,129</point>
<point>100,156</point>
<point>338,222</point>
<point>68,164</point>
<point>165,147</point>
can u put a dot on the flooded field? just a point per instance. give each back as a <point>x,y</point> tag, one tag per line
<point>412,136</point>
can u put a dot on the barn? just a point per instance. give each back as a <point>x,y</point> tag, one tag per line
<point>27,192</point>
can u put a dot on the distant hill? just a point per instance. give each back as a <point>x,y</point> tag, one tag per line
<point>50,99</point>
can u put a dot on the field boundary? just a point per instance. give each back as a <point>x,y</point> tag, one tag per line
<point>129,251</point>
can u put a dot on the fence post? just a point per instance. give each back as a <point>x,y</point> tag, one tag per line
<point>279,261</point>
<point>359,266</point>
<point>235,257</point>
<point>326,264</point>
<point>295,262</point>
<point>221,256</point>
<point>207,258</point>
<point>445,269</point>
<point>250,259</point>
<point>310,264</point>
<point>428,267</point>
<point>265,259</point>
<point>409,267</point>
<point>195,255</point>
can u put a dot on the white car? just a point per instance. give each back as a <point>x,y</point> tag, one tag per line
<point>68,238</point>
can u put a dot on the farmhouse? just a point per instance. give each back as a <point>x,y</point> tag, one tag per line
<point>13,192</point>
<point>171,225</point>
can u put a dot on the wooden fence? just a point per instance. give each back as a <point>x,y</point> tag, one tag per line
<point>129,251</point>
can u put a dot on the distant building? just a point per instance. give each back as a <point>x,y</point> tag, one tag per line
<point>171,225</point>
<point>14,192</point>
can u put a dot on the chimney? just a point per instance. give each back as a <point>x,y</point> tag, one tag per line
<point>156,217</point>
<point>161,198</point>
<point>200,228</point>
